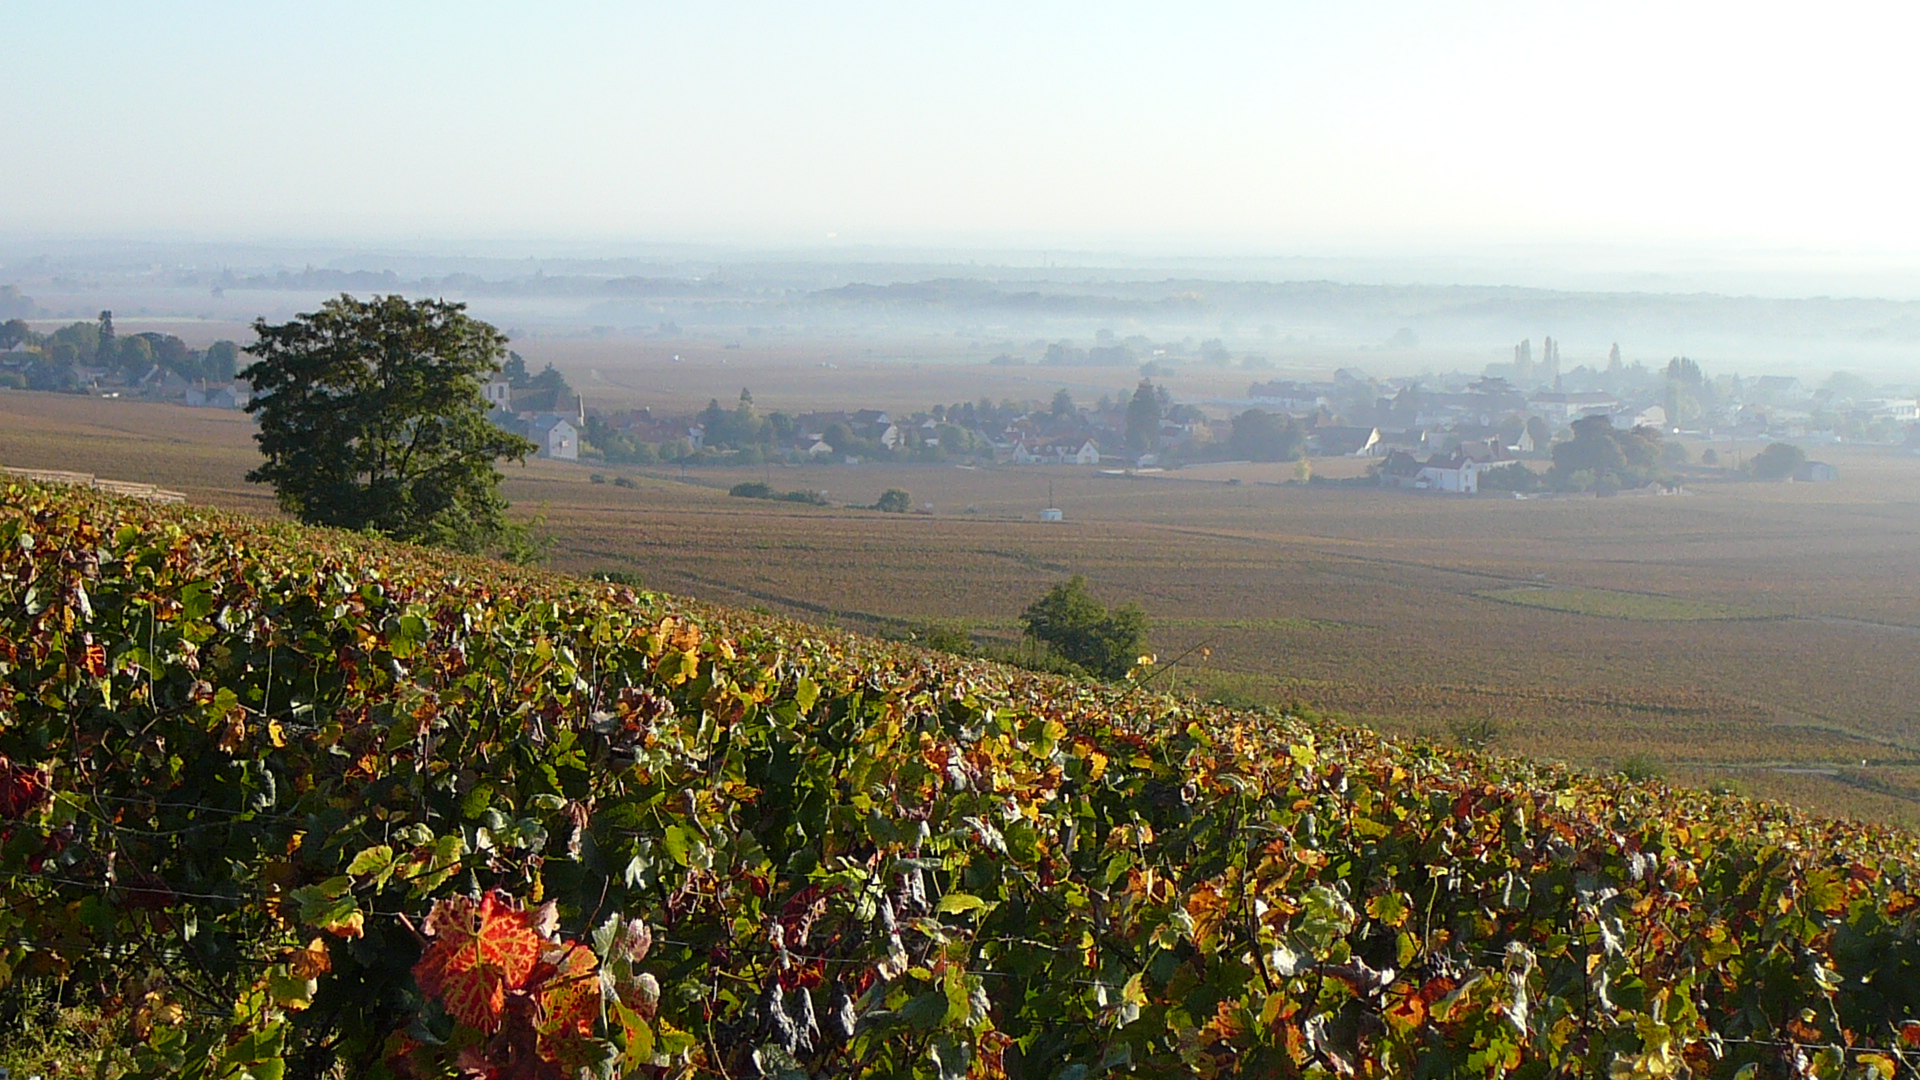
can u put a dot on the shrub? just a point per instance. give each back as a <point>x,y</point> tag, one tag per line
<point>1072,623</point>
<point>894,501</point>
<point>1638,768</point>
<point>947,637</point>
<point>1475,734</point>
<point>624,482</point>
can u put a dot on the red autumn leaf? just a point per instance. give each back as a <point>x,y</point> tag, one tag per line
<point>1910,1032</point>
<point>570,994</point>
<point>93,658</point>
<point>23,790</point>
<point>482,950</point>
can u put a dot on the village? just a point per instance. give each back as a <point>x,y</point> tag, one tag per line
<point>1447,434</point>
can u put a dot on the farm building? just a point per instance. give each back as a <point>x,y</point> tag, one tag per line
<point>1815,472</point>
<point>555,436</point>
<point>1457,473</point>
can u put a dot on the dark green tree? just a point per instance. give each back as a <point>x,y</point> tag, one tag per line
<point>1777,461</point>
<point>1615,458</point>
<point>1143,418</point>
<point>894,501</point>
<point>1262,436</point>
<point>1062,403</point>
<point>371,417</point>
<point>15,332</point>
<point>1542,434</point>
<point>545,392</point>
<point>1071,622</point>
<point>104,350</point>
<point>223,361</point>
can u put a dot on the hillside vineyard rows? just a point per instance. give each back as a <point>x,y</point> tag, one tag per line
<point>281,801</point>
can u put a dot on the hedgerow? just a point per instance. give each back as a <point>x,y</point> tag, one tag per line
<point>289,802</point>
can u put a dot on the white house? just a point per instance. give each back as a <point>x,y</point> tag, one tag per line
<point>1902,409</point>
<point>499,394</point>
<point>555,436</point>
<point>234,395</point>
<point>1653,416</point>
<point>1457,473</point>
<point>1562,409</point>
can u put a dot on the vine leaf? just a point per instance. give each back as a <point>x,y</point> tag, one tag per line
<point>482,949</point>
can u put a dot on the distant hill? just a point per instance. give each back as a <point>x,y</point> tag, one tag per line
<point>283,800</point>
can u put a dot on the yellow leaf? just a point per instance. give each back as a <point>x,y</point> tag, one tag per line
<point>1096,765</point>
<point>276,734</point>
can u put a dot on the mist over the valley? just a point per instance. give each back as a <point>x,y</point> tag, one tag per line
<point>1390,315</point>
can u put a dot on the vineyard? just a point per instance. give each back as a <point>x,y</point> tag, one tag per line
<point>289,803</point>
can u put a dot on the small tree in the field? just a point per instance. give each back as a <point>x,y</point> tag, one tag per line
<point>1071,622</point>
<point>1777,461</point>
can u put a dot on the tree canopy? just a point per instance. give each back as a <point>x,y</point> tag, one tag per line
<point>372,417</point>
<point>1263,436</point>
<point>1143,418</point>
<point>1607,457</point>
<point>1080,628</point>
<point>1777,461</point>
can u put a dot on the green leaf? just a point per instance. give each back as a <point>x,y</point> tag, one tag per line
<point>675,841</point>
<point>805,694</point>
<point>957,902</point>
<point>329,906</point>
<point>926,1011</point>
<point>375,862</point>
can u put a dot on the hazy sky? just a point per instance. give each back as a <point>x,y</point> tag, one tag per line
<point>1234,125</point>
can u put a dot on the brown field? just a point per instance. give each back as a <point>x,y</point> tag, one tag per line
<point>1724,636</point>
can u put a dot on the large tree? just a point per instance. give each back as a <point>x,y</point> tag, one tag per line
<point>1143,418</point>
<point>371,416</point>
<point>1263,436</point>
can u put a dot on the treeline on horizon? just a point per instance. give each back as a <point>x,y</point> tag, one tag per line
<point>54,361</point>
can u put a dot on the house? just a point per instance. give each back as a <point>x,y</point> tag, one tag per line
<point>1815,472</point>
<point>234,395</point>
<point>1334,441</point>
<point>1457,473</point>
<point>1653,416</point>
<point>1905,410</point>
<point>1056,452</point>
<point>1414,438</point>
<point>1088,453</point>
<point>1562,409</point>
<point>555,436</point>
<point>162,383</point>
<point>499,394</point>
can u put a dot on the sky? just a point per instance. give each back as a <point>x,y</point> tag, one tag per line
<point>1241,127</point>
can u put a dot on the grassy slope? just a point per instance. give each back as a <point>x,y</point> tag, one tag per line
<point>1161,886</point>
